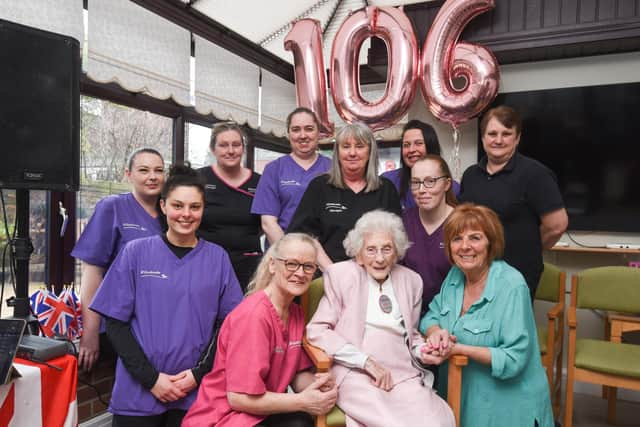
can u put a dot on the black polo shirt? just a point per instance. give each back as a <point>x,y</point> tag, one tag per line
<point>520,193</point>
<point>328,212</point>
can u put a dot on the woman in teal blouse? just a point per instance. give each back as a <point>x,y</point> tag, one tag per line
<point>483,311</point>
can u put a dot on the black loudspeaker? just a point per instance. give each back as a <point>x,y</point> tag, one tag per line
<point>39,109</point>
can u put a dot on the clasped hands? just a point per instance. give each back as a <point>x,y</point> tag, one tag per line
<point>438,346</point>
<point>169,388</point>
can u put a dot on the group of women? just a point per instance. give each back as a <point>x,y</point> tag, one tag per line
<point>186,340</point>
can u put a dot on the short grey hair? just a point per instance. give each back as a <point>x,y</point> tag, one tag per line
<point>360,133</point>
<point>374,221</point>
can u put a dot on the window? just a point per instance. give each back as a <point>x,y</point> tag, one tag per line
<point>263,157</point>
<point>38,232</point>
<point>109,133</point>
<point>197,145</point>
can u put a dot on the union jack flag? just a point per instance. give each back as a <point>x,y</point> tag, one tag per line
<point>54,315</point>
<point>70,298</point>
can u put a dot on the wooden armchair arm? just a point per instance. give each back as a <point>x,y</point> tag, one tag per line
<point>322,362</point>
<point>454,384</point>
<point>611,316</point>
<point>572,321</point>
<point>319,358</point>
<point>556,311</point>
<point>620,323</point>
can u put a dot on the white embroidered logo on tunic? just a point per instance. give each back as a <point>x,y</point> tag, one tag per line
<point>210,187</point>
<point>126,225</point>
<point>156,274</point>
<point>289,182</point>
<point>335,207</point>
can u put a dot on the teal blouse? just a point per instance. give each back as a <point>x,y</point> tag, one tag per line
<point>513,391</point>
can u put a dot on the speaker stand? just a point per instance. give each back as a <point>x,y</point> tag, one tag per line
<point>22,252</point>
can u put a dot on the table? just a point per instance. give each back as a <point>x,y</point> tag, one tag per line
<point>43,396</point>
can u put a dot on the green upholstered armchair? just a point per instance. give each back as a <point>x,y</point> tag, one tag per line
<point>550,335</point>
<point>606,362</point>
<point>322,362</point>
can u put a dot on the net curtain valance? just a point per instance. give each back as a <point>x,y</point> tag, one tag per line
<point>144,53</point>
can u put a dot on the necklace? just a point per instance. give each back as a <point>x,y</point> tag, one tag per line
<point>385,302</point>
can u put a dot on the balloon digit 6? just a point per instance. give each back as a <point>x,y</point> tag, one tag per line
<point>443,59</point>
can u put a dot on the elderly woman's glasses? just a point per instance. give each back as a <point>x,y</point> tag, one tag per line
<point>428,182</point>
<point>372,252</point>
<point>292,265</point>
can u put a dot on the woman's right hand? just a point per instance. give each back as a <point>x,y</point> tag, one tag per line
<point>381,376</point>
<point>440,342</point>
<point>165,390</point>
<point>320,396</point>
<point>89,350</point>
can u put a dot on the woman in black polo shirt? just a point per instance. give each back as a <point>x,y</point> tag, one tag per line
<point>522,191</point>
<point>333,202</point>
<point>229,192</point>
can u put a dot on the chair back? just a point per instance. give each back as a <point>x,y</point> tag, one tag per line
<point>608,288</point>
<point>311,298</point>
<point>551,285</point>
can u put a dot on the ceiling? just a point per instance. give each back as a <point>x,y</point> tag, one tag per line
<point>266,23</point>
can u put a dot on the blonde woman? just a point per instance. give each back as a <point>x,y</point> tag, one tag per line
<point>260,350</point>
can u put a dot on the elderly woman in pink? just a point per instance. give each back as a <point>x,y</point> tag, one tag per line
<point>367,322</point>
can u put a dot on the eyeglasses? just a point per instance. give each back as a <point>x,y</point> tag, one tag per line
<point>372,252</point>
<point>428,182</point>
<point>293,265</point>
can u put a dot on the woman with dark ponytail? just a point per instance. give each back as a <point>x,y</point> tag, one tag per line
<point>418,140</point>
<point>164,298</point>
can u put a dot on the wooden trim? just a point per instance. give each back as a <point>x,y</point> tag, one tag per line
<point>610,380</point>
<point>177,144</point>
<point>454,384</point>
<point>598,250</point>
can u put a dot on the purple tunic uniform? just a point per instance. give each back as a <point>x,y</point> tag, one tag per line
<point>116,220</point>
<point>426,256</point>
<point>408,201</point>
<point>172,305</point>
<point>282,185</point>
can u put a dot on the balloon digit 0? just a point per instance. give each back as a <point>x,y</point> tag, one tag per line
<point>394,28</point>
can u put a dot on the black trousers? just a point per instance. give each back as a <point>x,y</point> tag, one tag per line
<point>293,419</point>
<point>172,418</point>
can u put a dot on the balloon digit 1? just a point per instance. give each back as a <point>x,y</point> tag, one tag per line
<point>305,42</point>
<point>394,28</point>
<point>443,59</point>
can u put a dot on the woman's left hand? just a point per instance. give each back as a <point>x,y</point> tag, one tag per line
<point>429,357</point>
<point>381,375</point>
<point>184,380</point>
<point>440,343</point>
<point>329,384</point>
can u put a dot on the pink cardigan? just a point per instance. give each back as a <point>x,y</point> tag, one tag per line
<point>341,314</point>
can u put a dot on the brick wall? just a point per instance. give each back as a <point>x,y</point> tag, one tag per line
<point>101,377</point>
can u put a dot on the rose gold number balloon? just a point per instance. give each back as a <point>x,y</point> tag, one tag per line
<point>443,60</point>
<point>394,28</point>
<point>305,42</point>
